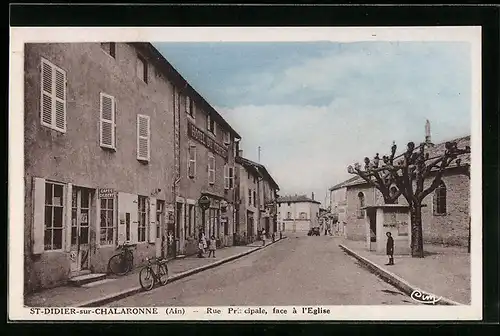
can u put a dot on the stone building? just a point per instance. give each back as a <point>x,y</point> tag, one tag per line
<point>298,213</point>
<point>257,205</point>
<point>107,160</point>
<point>445,215</point>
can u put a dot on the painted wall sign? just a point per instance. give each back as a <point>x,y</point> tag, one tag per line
<point>106,193</point>
<point>200,136</point>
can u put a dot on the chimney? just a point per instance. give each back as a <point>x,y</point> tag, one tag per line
<point>428,133</point>
<point>312,196</point>
<point>240,153</point>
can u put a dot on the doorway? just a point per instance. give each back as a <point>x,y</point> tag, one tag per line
<point>81,200</point>
<point>371,213</point>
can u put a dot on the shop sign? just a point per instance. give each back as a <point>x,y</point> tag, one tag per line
<point>106,193</point>
<point>204,202</point>
<point>200,136</point>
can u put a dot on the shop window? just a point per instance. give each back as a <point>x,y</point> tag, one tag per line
<point>53,96</point>
<point>54,210</point>
<point>142,223</point>
<point>440,199</point>
<point>107,221</point>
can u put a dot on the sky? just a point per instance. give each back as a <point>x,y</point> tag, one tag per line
<point>316,107</point>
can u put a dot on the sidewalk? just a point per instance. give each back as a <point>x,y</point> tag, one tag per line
<point>445,271</point>
<point>116,287</point>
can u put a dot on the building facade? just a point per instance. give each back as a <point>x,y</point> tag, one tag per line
<point>445,214</point>
<point>297,213</point>
<point>123,157</point>
<point>338,207</point>
<point>257,205</point>
<point>98,157</point>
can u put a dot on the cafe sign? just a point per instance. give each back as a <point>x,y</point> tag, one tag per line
<point>200,136</point>
<point>106,193</point>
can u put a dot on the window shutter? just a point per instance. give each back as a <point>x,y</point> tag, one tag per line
<point>188,103</point>
<point>60,99</point>
<point>67,223</point>
<point>107,113</point>
<point>226,177</point>
<point>231,177</point>
<point>46,93</point>
<point>152,220</point>
<point>38,214</point>
<point>143,137</point>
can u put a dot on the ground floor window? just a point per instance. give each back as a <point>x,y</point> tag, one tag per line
<point>141,225</point>
<point>107,221</point>
<point>53,216</point>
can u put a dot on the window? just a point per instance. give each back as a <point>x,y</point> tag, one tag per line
<point>211,168</point>
<point>361,204</point>
<point>107,121</point>
<point>227,138</point>
<point>53,234</point>
<point>190,220</point>
<point>109,48</point>
<point>143,137</point>
<point>107,221</point>
<point>141,225</point>
<point>142,69</point>
<point>192,161</point>
<point>440,199</point>
<point>303,215</point>
<point>228,177</point>
<point>160,206</point>
<point>211,125</point>
<point>53,96</point>
<point>249,197</point>
<point>254,198</point>
<point>189,107</point>
<point>288,215</point>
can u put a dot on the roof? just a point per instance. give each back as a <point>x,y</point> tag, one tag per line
<point>296,199</point>
<point>173,75</point>
<point>343,184</point>
<point>434,151</point>
<point>257,169</point>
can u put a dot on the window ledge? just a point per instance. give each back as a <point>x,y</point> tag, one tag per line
<point>143,161</point>
<point>108,148</point>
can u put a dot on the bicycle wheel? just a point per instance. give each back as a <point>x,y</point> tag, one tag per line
<point>147,278</point>
<point>162,271</point>
<point>118,265</point>
<point>129,261</point>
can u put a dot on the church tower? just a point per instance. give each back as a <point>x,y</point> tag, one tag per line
<point>428,133</point>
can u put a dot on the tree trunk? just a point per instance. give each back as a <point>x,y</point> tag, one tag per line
<point>417,243</point>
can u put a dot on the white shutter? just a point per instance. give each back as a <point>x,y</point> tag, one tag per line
<point>60,99</point>
<point>107,124</point>
<point>46,93</point>
<point>67,222</point>
<point>226,177</point>
<point>188,103</point>
<point>152,219</point>
<point>143,137</point>
<point>38,215</point>
<point>122,209</point>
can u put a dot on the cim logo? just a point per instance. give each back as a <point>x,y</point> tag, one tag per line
<point>424,297</point>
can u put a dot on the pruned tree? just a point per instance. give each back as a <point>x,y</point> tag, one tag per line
<point>406,175</point>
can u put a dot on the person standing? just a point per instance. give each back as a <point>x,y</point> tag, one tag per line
<point>263,237</point>
<point>212,247</point>
<point>390,248</point>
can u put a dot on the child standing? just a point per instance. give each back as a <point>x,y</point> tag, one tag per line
<point>212,247</point>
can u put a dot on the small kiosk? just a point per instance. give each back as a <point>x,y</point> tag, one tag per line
<point>393,218</point>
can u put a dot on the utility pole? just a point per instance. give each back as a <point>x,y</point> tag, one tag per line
<point>259,154</point>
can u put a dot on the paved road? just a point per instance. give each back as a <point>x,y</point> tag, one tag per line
<point>296,271</point>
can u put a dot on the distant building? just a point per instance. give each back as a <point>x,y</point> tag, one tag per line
<point>445,215</point>
<point>298,213</point>
<point>257,200</point>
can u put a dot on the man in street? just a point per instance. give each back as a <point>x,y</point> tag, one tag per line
<point>390,248</point>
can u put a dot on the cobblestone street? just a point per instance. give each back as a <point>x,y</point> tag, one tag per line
<point>300,270</point>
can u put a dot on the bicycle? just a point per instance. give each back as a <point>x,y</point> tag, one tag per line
<point>122,262</point>
<point>148,276</point>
